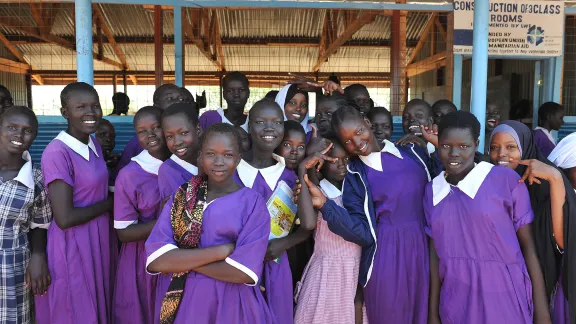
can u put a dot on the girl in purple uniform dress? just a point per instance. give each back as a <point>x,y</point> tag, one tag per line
<point>79,241</point>
<point>554,204</point>
<point>182,133</point>
<point>550,118</point>
<point>382,192</point>
<point>262,172</point>
<point>136,207</point>
<point>212,235</point>
<point>483,262</point>
<point>236,93</point>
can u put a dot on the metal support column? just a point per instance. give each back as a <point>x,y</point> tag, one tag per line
<point>178,47</point>
<point>480,65</point>
<point>457,81</point>
<point>84,50</point>
<point>536,93</point>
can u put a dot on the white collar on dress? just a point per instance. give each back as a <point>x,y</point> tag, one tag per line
<point>185,165</point>
<point>329,189</point>
<point>271,174</point>
<point>26,174</point>
<point>147,162</point>
<point>374,159</point>
<point>548,134</point>
<point>220,112</point>
<point>77,146</point>
<point>469,185</point>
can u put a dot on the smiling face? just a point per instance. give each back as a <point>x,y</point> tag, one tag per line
<point>296,108</point>
<point>414,116</point>
<point>293,149</point>
<point>106,136</point>
<point>266,127</point>
<point>182,137</point>
<point>492,117</point>
<point>17,132</point>
<point>456,148</point>
<point>381,126</point>
<point>361,97</point>
<point>335,172</point>
<point>356,135</point>
<point>83,112</point>
<point>219,157</point>
<point>236,93</point>
<point>503,147</point>
<point>324,116</point>
<point>150,135</point>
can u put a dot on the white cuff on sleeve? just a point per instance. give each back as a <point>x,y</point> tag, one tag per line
<point>244,269</point>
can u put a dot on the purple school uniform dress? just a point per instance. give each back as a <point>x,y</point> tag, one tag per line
<point>131,149</point>
<point>136,200</point>
<point>242,218</point>
<point>79,258</point>
<point>473,225</point>
<point>212,117</point>
<point>398,288</point>
<point>544,140</point>
<point>277,276</point>
<point>173,173</point>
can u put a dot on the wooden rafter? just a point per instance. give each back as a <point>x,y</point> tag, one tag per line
<point>218,40</point>
<point>362,19</point>
<point>423,37</point>
<point>44,15</point>
<point>200,17</point>
<point>18,54</point>
<point>430,63</point>
<point>441,29</point>
<point>7,65</point>
<point>110,36</point>
<point>53,39</point>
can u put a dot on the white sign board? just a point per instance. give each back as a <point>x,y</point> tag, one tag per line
<point>517,27</point>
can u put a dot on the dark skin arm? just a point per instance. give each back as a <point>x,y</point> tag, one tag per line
<point>526,240</point>
<point>65,214</point>
<point>278,246</point>
<point>37,274</point>
<point>222,271</point>
<point>136,232</point>
<point>435,284</point>
<point>182,260</point>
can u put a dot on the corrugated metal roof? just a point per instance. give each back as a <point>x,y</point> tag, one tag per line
<point>270,58</point>
<point>54,57</point>
<point>353,59</point>
<point>141,58</point>
<point>270,23</point>
<point>128,20</point>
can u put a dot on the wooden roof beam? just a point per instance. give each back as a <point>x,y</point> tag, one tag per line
<point>218,40</point>
<point>423,37</point>
<point>441,29</point>
<point>53,39</point>
<point>430,63</point>
<point>110,36</point>
<point>190,29</point>
<point>362,19</point>
<point>18,54</point>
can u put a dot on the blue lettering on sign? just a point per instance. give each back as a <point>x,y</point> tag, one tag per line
<point>464,5</point>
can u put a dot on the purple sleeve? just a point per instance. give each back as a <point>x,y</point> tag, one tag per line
<point>125,210</point>
<point>161,239</point>
<point>56,165</point>
<point>252,241</point>
<point>428,209</point>
<point>209,118</point>
<point>131,149</point>
<point>522,208</point>
<point>163,182</point>
<point>543,143</point>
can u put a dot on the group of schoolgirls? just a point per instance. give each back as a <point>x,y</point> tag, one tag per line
<point>423,230</point>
